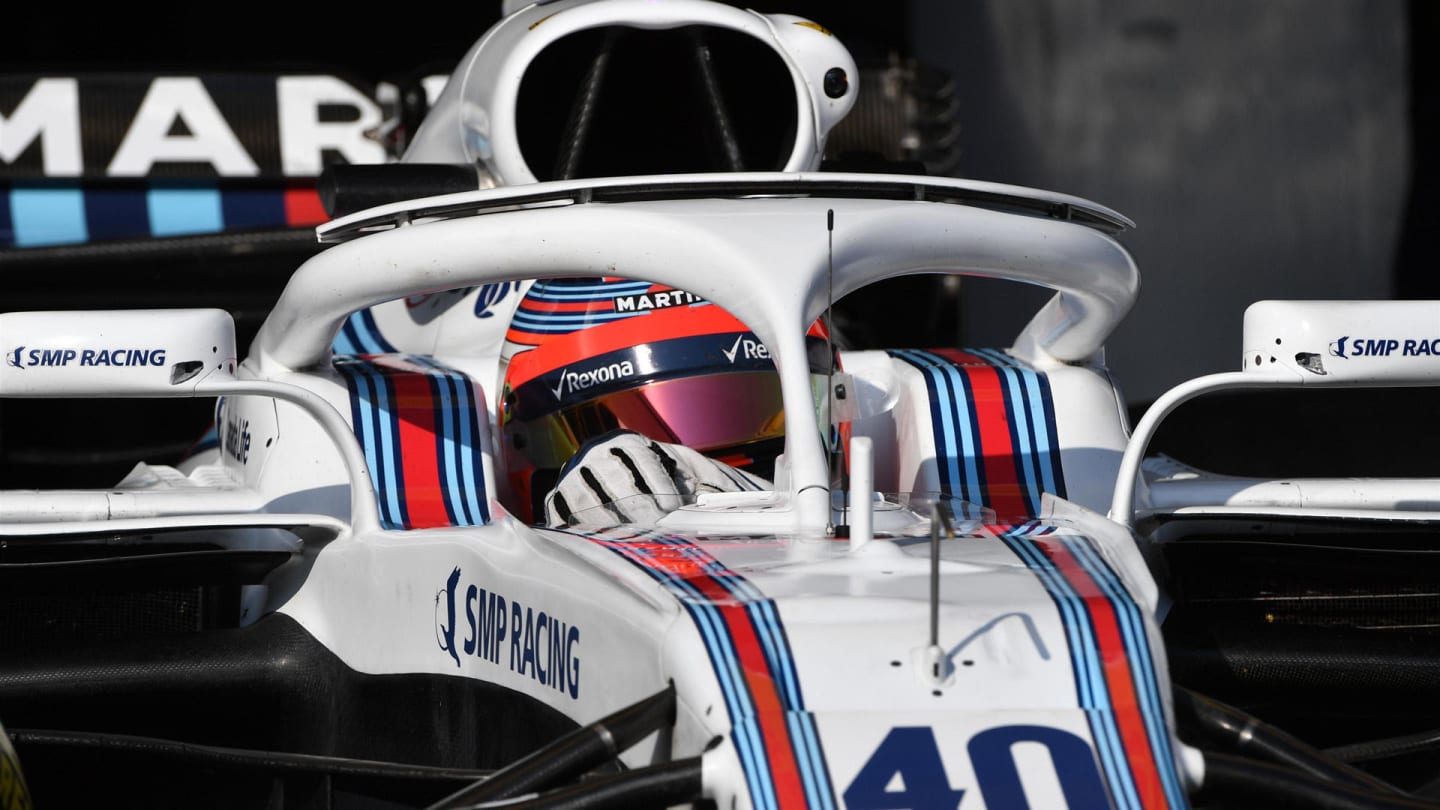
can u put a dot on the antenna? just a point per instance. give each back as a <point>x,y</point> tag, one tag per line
<point>842,530</point>
<point>937,663</point>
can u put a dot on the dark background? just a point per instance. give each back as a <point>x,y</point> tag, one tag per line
<point>1275,149</point>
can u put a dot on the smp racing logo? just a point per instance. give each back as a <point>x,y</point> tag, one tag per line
<point>23,357</point>
<point>506,633</point>
<point>1346,347</point>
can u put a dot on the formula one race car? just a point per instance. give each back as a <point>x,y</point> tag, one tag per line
<point>948,589</point>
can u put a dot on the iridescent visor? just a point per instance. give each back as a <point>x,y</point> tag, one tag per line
<point>710,413</point>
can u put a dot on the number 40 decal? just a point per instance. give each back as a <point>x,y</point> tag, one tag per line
<point>911,753</point>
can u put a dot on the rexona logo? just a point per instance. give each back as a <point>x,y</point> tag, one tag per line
<point>508,634</point>
<point>746,347</point>
<point>23,357</point>
<point>1385,347</point>
<point>656,300</point>
<point>574,381</point>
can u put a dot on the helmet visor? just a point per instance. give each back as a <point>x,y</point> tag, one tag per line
<point>712,413</point>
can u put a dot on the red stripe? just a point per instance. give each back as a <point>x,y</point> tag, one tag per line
<point>532,305</point>
<point>764,695</point>
<point>303,207</point>
<point>1003,489</point>
<point>419,456</point>
<point>1115,663</point>
<point>769,711</point>
<point>559,351</point>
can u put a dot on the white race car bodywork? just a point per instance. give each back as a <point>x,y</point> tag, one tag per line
<point>805,656</point>
<point>825,647</point>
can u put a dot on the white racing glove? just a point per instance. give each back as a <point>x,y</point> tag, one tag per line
<point>626,478</point>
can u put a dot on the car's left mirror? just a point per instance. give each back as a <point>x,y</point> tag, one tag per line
<point>150,352</point>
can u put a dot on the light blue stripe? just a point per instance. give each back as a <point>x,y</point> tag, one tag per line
<point>1102,715</point>
<point>1040,424</point>
<point>344,344</point>
<point>762,613</point>
<point>722,640</point>
<point>817,760</point>
<point>1084,647</point>
<point>1082,655</point>
<point>782,659</point>
<point>742,717</point>
<point>542,318</point>
<point>385,434</point>
<point>808,777</point>
<point>720,645</point>
<point>458,459</point>
<point>451,453</point>
<point>1023,420</point>
<point>1049,450</point>
<point>360,392</point>
<point>718,642</point>
<point>179,211</point>
<point>948,427</point>
<point>456,427</point>
<point>370,339</point>
<point>1135,639</point>
<point>48,216</point>
<point>762,789</point>
<point>1024,409</point>
<point>589,292</point>
<point>960,403</point>
<point>1038,410</point>
<point>475,497</point>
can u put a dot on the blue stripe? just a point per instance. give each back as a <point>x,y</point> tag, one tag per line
<point>443,417</point>
<point>253,208</point>
<point>766,621</point>
<point>817,759</point>
<point>962,402</point>
<point>344,343</point>
<point>179,210</point>
<point>1083,647</point>
<point>462,459</point>
<point>387,429</point>
<point>1040,405</point>
<point>807,770</point>
<point>949,392</point>
<point>7,224</point>
<point>379,439</point>
<point>1042,421</point>
<point>364,426</point>
<point>446,451</point>
<point>472,469</point>
<point>716,638</point>
<point>460,463</point>
<point>116,213</point>
<point>48,215</point>
<point>749,744</point>
<point>1137,644</point>
<point>1020,433</point>
<point>362,331</point>
<point>1081,655</point>
<point>604,291</point>
<point>567,318</point>
<point>944,427</point>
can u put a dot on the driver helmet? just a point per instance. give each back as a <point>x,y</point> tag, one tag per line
<point>584,357</point>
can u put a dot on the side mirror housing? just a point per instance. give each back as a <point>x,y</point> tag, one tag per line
<point>147,353</point>
<point>1365,343</point>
